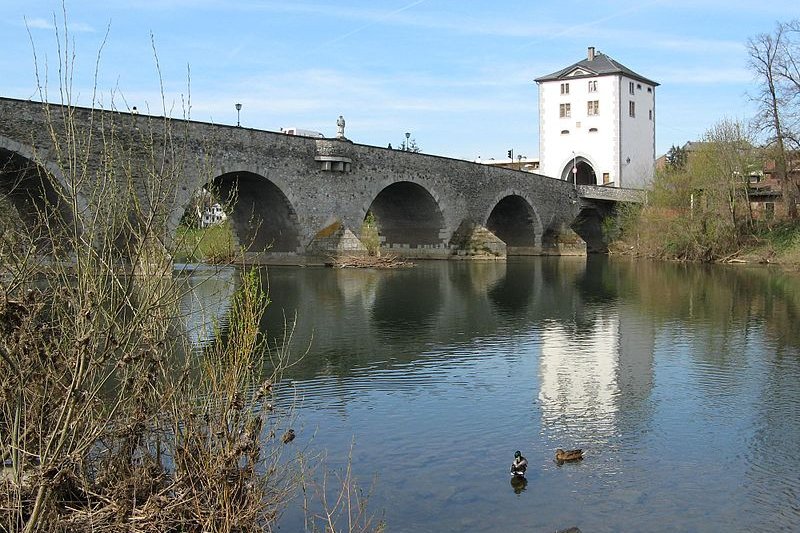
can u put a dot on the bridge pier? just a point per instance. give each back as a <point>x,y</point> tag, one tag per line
<point>590,225</point>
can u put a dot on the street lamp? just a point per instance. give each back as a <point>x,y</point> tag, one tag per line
<point>407,147</point>
<point>238,108</point>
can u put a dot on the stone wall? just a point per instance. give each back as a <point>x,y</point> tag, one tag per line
<point>288,189</point>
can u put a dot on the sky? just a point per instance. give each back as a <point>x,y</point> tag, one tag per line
<point>458,75</point>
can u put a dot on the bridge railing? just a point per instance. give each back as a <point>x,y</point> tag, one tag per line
<point>612,194</point>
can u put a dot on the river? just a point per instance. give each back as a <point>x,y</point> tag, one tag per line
<point>681,383</point>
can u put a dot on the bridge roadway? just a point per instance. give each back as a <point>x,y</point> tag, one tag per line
<point>297,197</point>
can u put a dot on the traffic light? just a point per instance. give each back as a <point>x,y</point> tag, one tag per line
<point>511,154</point>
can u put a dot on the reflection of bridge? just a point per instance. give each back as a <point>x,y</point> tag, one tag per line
<point>304,196</point>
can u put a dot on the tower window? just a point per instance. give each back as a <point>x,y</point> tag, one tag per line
<point>630,87</point>
<point>631,108</point>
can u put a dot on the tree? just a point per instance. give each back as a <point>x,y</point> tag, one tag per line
<point>676,157</point>
<point>701,210</point>
<point>410,145</point>
<point>772,60</point>
<point>722,167</point>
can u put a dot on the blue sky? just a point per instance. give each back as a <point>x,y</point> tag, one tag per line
<point>457,74</point>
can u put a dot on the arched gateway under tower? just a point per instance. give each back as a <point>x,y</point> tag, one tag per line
<point>583,173</point>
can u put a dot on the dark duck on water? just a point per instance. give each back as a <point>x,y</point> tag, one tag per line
<point>519,465</point>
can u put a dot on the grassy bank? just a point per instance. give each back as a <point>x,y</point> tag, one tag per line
<point>659,233</point>
<point>779,245</point>
<point>215,244</point>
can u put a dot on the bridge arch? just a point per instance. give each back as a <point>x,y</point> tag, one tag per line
<point>35,190</point>
<point>514,221</point>
<point>262,215</point>
<point>408,215</point>
<point>586,175</point>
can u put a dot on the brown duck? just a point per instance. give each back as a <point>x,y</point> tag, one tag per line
<point>569,455</point>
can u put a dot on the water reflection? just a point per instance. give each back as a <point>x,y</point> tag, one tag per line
<point>443,370</point>
<point>206,300</point>
<point>518,484</point>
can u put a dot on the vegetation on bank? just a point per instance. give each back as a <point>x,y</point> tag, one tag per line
<point>110,419</point>
<point>700,207</point>
<point>214,244</point>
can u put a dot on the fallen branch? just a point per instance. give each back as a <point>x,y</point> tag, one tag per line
<point>355,261</point>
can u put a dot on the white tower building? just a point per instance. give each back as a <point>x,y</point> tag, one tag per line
<point>598,118</point>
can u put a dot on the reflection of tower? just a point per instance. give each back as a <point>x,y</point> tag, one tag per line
<point>579,371</point>
<point>636,346</point>
<point>594,378</point>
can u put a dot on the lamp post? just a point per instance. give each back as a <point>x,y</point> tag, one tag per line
<point>406,146</point>
<point>574,172</point>
<point>238,109</point>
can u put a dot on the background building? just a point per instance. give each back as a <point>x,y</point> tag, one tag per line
<point>598,117</point>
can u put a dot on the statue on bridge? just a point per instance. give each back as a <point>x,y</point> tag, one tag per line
<point>340,128</point>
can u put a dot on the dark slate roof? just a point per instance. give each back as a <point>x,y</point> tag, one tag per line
<point>601,65</point>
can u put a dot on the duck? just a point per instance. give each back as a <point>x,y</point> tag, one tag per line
<point>569,455</point>
<point>519,466</point>
<point>288,436</point>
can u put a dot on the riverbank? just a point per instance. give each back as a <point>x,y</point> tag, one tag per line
<point>779,245</point>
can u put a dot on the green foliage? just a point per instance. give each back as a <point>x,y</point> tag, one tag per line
<point>214,244</point>
<point>370,234</point>
<point>700,210</point>
<point>676,158</point>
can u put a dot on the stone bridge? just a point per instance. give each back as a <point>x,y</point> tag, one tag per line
<point>299,197</point>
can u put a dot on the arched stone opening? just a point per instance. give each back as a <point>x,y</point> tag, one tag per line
<point>513,221</point>
<point>30,201</point>
<point>589,226</point>
<point>585,174</point>
<point>262,218</point>
<point>407,216</point>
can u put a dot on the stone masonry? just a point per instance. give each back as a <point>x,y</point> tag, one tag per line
<point>297,196</point>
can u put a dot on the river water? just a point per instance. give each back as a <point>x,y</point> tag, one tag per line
<point>681,383</point>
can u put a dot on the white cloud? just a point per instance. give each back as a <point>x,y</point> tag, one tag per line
<point>39,23</point>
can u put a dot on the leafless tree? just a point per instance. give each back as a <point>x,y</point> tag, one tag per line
<point>772,59</point>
